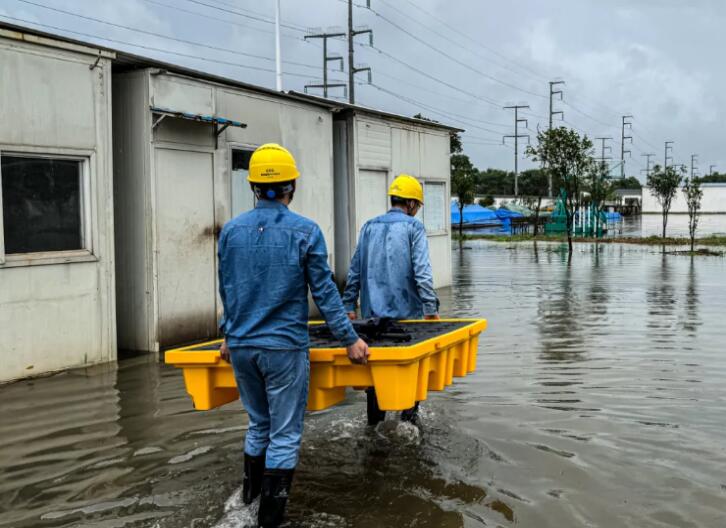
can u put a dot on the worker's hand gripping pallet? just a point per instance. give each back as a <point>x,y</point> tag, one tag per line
<point>401,374</point>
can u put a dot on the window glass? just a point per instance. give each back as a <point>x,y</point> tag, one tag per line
<point>242,198</point>
<point>41,200</point>
<point>434,210</point>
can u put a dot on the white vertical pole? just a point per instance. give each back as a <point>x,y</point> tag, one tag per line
<point>278,58</point>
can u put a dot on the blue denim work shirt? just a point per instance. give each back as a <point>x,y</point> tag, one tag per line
<point>391,269</point>
<point>268,257</point>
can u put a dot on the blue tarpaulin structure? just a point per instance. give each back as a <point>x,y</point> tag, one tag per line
<point>474,215</point>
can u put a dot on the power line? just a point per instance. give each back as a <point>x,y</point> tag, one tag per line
<point>444,36</point>
<point>217,19</point>
<point>457,31</point>
<point>237,12</point>
<point>432,109</point>
<point>150,48</point>
<point>447,55</point>
<point>159,35</point>
<point>435,79</point>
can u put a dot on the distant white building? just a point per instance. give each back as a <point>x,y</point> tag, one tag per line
<point>714,200</point>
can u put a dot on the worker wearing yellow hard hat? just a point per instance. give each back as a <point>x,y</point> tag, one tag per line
<point>391,270</point>
<point>268,259</point>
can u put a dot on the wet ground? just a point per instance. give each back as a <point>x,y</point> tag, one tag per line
<point>600,400</point>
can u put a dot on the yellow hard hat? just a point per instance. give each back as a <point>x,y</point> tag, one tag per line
<point>407,187</point>
<point>272,163</point>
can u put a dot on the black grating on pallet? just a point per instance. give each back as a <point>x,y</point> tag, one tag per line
<point>375,333</point>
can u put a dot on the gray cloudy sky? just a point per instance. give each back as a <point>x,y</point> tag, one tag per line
<point>659,60</point>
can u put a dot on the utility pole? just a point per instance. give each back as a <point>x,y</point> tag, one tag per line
<point>626,123</point>
<point>553,113</point>
<point>326,59</point>
<point>668,148</point>
<point>647,164</point>
<point>516,137</point>
<point>604,148</point>
<point>352,70</point>
<point>694,159</point>
<point>278,52</point>
<point>710,169</point>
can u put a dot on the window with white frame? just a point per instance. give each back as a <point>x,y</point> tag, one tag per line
<point>435,207</point>
<point>43,203</point>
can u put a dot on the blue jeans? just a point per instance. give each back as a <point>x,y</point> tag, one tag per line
<point>273,386</point>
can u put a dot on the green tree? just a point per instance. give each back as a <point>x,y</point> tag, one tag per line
<point>631,182</point>
<point>463,183</point>
<point>716,177</point>
<point>495,182</point>
<point>693,193</point>
<point>487,201</point>
<point>599,185</point>
<point>663,184</point>
<point>567,155</point>
<point>535,184</point>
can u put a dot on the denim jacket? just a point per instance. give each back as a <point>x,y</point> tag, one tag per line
<point>268,257</point>
<point>391,269</point>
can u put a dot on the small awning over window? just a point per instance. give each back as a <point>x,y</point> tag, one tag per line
<point>212,120</point>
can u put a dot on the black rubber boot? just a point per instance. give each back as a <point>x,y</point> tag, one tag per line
<point>276,485</point>
<point>252,481</point>
<point>410,415</point>
<point>375,414</point>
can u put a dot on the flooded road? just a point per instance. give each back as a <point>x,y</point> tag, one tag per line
<point>599,400</point>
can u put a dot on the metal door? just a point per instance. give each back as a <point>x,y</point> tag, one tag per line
<point>186,246</point>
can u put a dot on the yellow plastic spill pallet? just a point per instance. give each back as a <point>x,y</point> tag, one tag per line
<point>402,373</point>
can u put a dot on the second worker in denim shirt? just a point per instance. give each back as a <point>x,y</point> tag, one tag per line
<point>391,270</point>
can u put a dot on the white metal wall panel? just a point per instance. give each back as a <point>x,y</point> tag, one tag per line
<point>132,206</point>
<point>261,115</point>
<point>186,246</point>
<point>372,190</point>
<point>47,97</point>
<point>374,144</point>
<point>308,134</point>
<point>60,314</point>
<point>180,94</point>
<point>406,152</point>
<point>435,162</point>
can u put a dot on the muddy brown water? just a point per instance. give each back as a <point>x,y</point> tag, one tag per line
<point>599,400</point>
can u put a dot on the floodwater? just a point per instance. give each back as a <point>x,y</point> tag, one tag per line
<point>599,401</point>
<point>645,225</point>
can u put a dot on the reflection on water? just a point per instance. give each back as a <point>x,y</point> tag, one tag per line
<point>598,401</point>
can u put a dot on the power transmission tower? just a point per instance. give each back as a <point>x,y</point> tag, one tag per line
<point>516,137</point>
<point>647,164</point>
<point>710,169</point>
<point>623,137</point>
<point>604,148</point>
<point>694,169</point>
<point>352,33</point>
<point>326,59</point>
<point>553,113</point>
<point>668,148</point>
